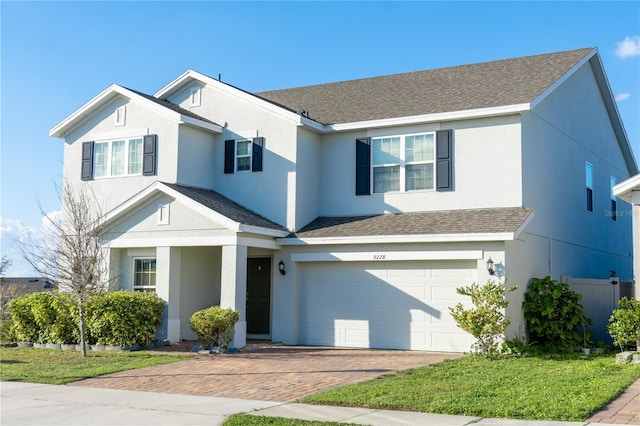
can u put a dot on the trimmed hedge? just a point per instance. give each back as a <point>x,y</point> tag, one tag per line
<point>215,326</point>
<point>120,318</point>
<point>124,318</point>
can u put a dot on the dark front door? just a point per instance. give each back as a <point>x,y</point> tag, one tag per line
<point>258,295</point>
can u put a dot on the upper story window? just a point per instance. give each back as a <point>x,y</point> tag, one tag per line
<point>614,202</point>
<point>120,157</point>
<point>589,184</point>
<point>243,155</point>
<point>404,163</point>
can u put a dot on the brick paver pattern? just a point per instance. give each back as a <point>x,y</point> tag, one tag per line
<point>278,373</point>
<point>624,410</point>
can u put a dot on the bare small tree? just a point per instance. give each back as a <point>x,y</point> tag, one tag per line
<point>68,251</point>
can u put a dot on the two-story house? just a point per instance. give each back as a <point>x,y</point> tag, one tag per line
<point>347,214</point>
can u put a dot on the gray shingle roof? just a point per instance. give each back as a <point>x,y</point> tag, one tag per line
<point>221,204</point>
<point>494,220</point>
<point>483,85</point>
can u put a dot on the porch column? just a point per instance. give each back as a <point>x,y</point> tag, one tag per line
<point>233,288</point>
<point>168,288</point>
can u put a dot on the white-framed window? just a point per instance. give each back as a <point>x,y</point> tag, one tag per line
<point>121,116</point>
<point>118,157</point>
<point>243,155</point>
<point>589,184</point>
<point>195,94</point>
<point>403,163</point>
<point>144,274</point>
<point>614,200</point>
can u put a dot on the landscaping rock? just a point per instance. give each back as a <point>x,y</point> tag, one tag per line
<point>623,357</point>
<point>232,351</point>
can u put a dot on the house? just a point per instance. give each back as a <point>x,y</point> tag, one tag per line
<point>629,191</point>
<point>347,214</point>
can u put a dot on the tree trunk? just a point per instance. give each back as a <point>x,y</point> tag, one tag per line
<point>83,342</point>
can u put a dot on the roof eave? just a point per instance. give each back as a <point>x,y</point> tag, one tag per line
<point>382,239</point>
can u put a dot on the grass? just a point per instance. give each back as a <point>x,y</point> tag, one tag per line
<point>58,367</point>
<point>532,388</point>
<point>249,420</point>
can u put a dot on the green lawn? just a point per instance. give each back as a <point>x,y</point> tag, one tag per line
<point>249,420</point>
<point>533,388</point>
<point>58,367</point>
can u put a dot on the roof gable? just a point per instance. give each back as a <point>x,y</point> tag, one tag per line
<point>171,111</point>
<point>206,202</point>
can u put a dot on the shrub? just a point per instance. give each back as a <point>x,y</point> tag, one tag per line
<point>555,317</point>
<point>215,326</point>
<point>23,322</point>
<point>624,324</point>
<point>124,318</point>
<point>486,320</point>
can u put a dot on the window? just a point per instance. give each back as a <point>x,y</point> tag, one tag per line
<point>614,202</point>
<point>144,274</point>
<point>589,184</point>
<point>403,163</point>
<point>243,156</point>
<point>118,158</point>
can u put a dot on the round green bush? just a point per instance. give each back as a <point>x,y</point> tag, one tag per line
<point>215,326</point>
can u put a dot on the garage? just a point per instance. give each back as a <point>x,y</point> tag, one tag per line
<point>393,305</point>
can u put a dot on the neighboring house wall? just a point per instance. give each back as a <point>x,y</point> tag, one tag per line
<point>567,129</point>
<point>486,170</point>
<point>111,191</point>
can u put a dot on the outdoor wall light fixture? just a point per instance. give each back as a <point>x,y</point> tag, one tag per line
<point>490,268</point>
<point>281,267</point>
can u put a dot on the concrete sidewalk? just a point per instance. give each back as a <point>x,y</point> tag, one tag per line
<point>36,404</point>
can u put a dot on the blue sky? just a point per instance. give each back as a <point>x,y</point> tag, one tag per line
<point>56,56</point>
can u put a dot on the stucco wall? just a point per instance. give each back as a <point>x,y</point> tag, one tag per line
<point>112,191</point>
<point>567,129</point>
<point>486,170</point>
<point>199,283</point>
<point>264,192</point>
<point>307,178</point>
<point>196,158</point>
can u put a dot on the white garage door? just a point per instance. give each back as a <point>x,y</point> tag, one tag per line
<point>395,305</point>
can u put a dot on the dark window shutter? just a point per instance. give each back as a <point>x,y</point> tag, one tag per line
<point>87,161</point>
<point>149,150</point>
<point>614,210</point>
<point>256,158</point>
<point>363,166</point>
<point>444,161</point>
<point>229,155</point>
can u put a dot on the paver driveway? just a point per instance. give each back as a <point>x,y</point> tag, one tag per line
<point>268,373</point>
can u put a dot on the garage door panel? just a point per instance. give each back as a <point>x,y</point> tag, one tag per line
<point>399,305</point>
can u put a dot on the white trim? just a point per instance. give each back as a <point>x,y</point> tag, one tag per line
<point>383,239</point>
<point>195,96</point>
<point>624,189</point>
<point>436,117</point>
<point>523,225</point>
<point>172,242</point>
<point>163,213</point>
<point>387,256</point>
<point>194,122</point>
